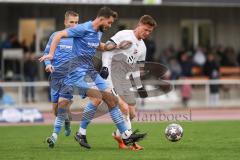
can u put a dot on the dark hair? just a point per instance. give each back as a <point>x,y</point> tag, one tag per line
<point>107,12</point>
<point>146,19</point>
<point>71,13</point>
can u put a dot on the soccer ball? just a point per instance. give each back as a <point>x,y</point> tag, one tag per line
<point>174,132</point>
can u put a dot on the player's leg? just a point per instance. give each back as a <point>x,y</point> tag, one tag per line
<point>54,98</point>
<point>62,113</point>
<point>115,113</point>
<point>132,111</point>
<point>55,91</point>
<point>54,108</point>
<point>67,125</point>
<point>125,112</point>
<point>88,114</point>
<point>112,103</point>
<point>127,102</point>
<point>127,136</point>
<point>132,115</point>
<point>127,116</point>
<point>89,111</point>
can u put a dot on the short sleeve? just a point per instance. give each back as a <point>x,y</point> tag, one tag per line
<point>77,31</point>
<point>118,37</point>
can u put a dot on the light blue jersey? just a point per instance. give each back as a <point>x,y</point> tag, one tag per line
<point>61,64</point>
<point>62,56</point>
<point>86,40</point>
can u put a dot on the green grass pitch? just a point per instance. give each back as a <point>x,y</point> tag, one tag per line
<point>214,140</point>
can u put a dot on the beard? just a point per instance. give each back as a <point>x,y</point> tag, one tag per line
<point>101,28</point>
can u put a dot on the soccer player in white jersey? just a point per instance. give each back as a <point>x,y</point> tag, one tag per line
<point>120,65</point>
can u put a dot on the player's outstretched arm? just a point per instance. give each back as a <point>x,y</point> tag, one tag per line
<point>55,41</point>
<point>111,45</point>
<point>108,46</point>
<point>125,44</point>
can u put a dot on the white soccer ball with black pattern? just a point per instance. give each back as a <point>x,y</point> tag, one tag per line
<point>174,132</point>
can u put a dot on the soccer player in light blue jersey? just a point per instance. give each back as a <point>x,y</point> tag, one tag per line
<point>58,68</point>
<point>86,40</point>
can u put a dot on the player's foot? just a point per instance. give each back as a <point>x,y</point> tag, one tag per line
<point>136,147</point>
<point>82,140</point>
<point>121,145</point>
<point>51,141</point>
<point>134,137</point>
<point>68,130</point>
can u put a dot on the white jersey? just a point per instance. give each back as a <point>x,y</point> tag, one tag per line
<point>134,54</point>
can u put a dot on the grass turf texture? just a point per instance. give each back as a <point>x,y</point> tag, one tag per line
<point>213,140</point>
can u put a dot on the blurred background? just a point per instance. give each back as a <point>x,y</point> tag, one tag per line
<point>198,40</point>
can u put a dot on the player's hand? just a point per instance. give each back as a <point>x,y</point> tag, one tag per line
<point>49,68</point>
<point>142,92</point>
<point>124,44</point>
<point>46,57</point>
<point>104,72</point>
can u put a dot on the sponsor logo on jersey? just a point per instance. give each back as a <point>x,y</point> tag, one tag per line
<point>65,47</point>
<point>93,45</point>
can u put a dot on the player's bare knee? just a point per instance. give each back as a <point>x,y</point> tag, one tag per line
<point>63,103</point>
<point>110,100</point>
<point>94,93</point>
<point>125,111</point>
<point>113,100</point>
<point>96,101</point>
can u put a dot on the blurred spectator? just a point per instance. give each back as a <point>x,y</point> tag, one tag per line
<point>199,57</point>
<point>12,67</point>
<point>7,42</point>
<point>14,41</point>
<point>227,56</point>
<point>186,92</point>
<point>210,66</point>
<point>231,57</point>
<point>211,69</point>
<point>220,50</point>
<point>151,48</point>
<point>24,47</point>
<point>175,69</point>
<point>166,55</point>
<point>186,65</point>
<point>30,74</point>
<point>33,44</point>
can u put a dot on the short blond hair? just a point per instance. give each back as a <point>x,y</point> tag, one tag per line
<point>71,13</point>
<point>147,19</point>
